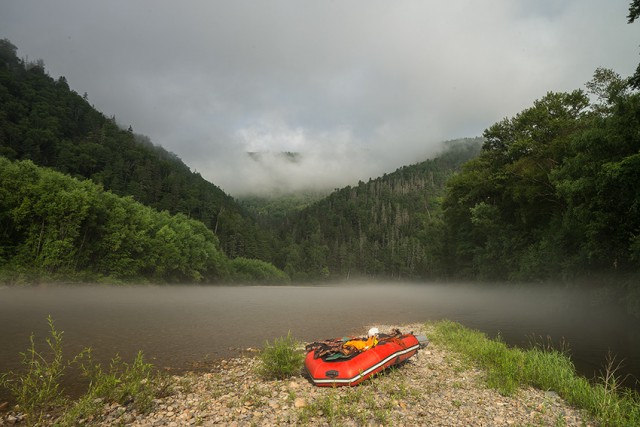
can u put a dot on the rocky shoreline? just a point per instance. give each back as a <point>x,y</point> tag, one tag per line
<point>435,387</point>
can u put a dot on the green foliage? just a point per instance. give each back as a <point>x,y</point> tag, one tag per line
<point>42,120</point>
<point>272,209</point>
<point>387,227</point>
<point>282,359</point>
<point>504,366</point>
<point>245,270</point>
<point>554,191</point>
<point>135,385</point>
<point>543,367</point>
<point>58,226</point>
<point>37,390</point>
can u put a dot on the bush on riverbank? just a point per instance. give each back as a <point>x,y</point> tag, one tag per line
<point>507,369</point>
<point>255,271</point>
<point>38,389</point>
<point>61,229</point>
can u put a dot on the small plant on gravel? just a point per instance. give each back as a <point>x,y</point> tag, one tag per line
<point>561,421</point>
<point>282,359</point>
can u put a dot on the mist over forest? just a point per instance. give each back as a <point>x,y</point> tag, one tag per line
<point>193,180</point>
<point>549,194</point>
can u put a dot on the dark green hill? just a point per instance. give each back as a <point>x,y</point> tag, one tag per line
<point>271,209</point>
<point>555,193</point>
<point>55,227</point>
<point>43,120</point>
<point>387,227</point>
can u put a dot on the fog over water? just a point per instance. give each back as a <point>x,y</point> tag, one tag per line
<point>176,326</point>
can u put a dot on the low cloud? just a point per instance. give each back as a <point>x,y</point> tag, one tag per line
<point>357,88</point>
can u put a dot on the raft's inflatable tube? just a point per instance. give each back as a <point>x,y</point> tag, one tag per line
<point>351,372</point>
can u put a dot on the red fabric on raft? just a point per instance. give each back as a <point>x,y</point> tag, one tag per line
<point>353,371</point>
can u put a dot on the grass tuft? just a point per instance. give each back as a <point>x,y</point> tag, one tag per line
<point>282,359</point>
<point>37,389</point>
<point>38,392</point>
<point>134,385</point>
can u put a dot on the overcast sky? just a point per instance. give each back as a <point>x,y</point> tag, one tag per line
<point>359,88</point>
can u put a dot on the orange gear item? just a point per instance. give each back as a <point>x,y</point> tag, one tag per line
<point>362,345</point>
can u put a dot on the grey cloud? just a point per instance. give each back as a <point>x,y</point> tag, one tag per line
<point>359,87</point>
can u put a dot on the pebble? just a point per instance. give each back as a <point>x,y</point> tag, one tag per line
<point>437,389</point>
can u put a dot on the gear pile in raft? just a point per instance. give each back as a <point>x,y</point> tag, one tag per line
<point>349,361</point>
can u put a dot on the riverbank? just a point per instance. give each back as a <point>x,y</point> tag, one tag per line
<point>436,387</point>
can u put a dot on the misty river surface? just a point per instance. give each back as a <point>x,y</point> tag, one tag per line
<point>177,326</point>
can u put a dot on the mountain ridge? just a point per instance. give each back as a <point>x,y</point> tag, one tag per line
<point>43,120</point>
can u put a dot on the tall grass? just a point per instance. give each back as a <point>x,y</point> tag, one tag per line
<point>281,359</point>
<point>38,392</point>
<point>135,385</point>
<point>544,368</point>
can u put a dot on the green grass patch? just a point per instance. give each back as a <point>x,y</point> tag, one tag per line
<point>281,359</point>
<point>543,367</point>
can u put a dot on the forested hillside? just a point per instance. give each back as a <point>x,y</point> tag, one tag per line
<point>42,120</point>
<point>53,226</point>
<point>387,227</point>
<point>270,210</point>
<point>551,193</point>
<point>555,192</point>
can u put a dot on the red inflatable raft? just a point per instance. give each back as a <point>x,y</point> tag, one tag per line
<point>358,368</point>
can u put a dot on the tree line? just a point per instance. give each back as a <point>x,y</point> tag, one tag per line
<point>53,226</point>
<point>555,191</point>
<point>551,193</point>
<point>387,227</point>
<point>43,120</point>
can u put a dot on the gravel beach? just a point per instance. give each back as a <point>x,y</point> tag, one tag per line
<point>434,388</point>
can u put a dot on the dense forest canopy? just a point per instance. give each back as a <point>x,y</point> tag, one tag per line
<point>551,193</point>
<point>42,120</point>
<point>555,190</point>
<point>387,227</point>
<point>56,226</point>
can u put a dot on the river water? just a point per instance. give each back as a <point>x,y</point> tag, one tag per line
<point>180,326</point>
